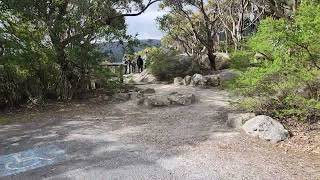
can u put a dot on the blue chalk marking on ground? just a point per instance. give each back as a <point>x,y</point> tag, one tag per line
<point>30,159</point>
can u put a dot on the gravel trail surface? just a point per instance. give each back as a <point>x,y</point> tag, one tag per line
<point>125,141</point>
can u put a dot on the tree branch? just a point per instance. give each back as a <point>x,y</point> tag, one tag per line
<point>110,19</point>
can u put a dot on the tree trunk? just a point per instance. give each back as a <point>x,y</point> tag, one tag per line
<point>226,41</point>
<point>212,59</point>
<point>65,74</point>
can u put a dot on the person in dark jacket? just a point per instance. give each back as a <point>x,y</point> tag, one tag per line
<point>125,63</point>
<point>133,64</point>
<point>140,64</point>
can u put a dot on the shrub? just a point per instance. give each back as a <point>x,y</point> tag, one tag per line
<point>165,65</point>
<point>286,84</point>
<point>241,59</point>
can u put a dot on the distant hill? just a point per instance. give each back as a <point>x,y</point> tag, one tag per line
<point>115,50</point>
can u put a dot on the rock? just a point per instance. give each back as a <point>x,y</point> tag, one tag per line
<point>222,61</point>
<point>150,79</point>
<point>106,98</point>
<point>128,79</point>
<point>212,80</point>
<point>154,101</point>
<point>259,57</point>
<point>147,91</point>
<point>205,81</point>
<point>121,96</point>
<point>198,80</point>
<point>173,98</point>
<point>140,101</point>
<point>178,81</point>
<point>228,74</point>
<point>145,77</point>
<point>187,80</point>
<point>204,62</point>
<point>182,99</point>
<point>236,120</point>
<point>135,95</point>
<point>266,128</point>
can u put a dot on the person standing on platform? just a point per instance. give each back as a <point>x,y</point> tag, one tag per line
<point>140,64</point>
<point>125,63</point>
<point>133,66</point>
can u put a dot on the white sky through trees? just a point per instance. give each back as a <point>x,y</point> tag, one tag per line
<point>145,25</point>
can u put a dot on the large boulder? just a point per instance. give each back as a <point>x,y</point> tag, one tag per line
<point>181,99</point>
<point>187,80</point>
<point>222,61</point>
<point>266,128</point>
<point>236,120</point>
<point>204,62</point>
<point>145,77</point>
<point>178,81</point>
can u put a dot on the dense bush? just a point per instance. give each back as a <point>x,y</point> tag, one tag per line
<point>241,60</point>
<point>167,64</point>
<point>286,84</point>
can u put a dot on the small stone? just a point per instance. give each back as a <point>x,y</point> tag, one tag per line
<point>187,80</point>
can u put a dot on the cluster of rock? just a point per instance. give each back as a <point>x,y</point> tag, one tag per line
<point>198,80</point>
<point>132,94</point>
<point>149,98</point>
<point>160,100</point>
<point>261,126</point>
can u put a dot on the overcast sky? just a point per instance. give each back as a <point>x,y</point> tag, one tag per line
<point>145,25</point>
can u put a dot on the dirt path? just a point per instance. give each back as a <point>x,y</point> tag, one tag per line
<point>124,141</point>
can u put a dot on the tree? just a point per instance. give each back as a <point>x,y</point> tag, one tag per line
<point>75,23</point>
<point>279,8</point>
<point>178,34</point>
<point>237,16</point>
<point>204,22</point>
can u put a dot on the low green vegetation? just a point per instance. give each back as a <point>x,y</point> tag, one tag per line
<point>167,64</point>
